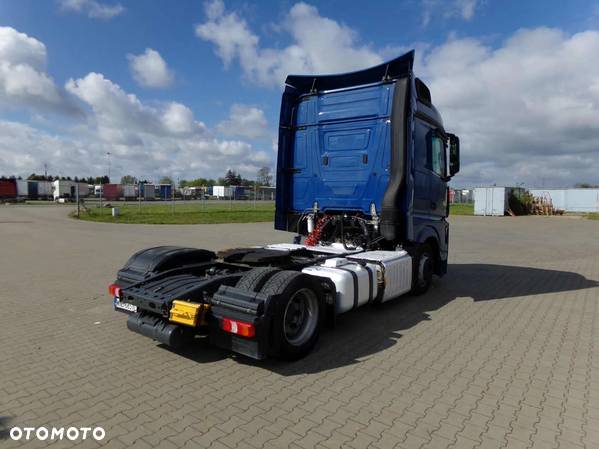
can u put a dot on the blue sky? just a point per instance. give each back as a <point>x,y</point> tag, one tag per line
<point>206,94</point>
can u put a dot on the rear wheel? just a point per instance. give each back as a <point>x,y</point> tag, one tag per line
<point>255,279</point>
<point>422,269</point>
<point>298,314</point>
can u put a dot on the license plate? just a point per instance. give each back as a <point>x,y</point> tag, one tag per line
<point>124,306</point>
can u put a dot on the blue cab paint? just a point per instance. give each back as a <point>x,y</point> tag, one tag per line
<point>365,140</point>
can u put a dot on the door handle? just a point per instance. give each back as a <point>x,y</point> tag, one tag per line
<point>433,205</point>
<point>293,170</point>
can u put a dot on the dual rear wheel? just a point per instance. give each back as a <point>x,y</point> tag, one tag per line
<point>298,313</point>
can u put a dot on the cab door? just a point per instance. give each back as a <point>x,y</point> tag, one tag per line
<point>438,167</point>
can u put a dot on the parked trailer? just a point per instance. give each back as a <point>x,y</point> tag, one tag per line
<point>149,192</point>
<point>165,191</point>
<point>8,189</point>
<point>112,192</point>
<point>371,208</point>
<point>222,191</point>
<point>32,190</point>
<point>44,189</point>
<point>68,189</point>
<point>22,189</point>
<point>129,191</point>
<point>63,189</point>
<point>83,189</point>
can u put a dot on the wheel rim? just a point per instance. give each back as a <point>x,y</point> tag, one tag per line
<point>424,269</point>
<point>301,317</point>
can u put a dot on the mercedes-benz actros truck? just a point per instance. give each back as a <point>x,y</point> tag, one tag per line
<point>362,172</point>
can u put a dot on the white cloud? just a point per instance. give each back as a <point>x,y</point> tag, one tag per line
<point>526,111</point>
<point>178,119</point>
<point>454,9</point>
<point>319,44</point>
<point>92,8</point>
<point>244,121</point>
<point>165,138</point>
<point>122,116</point>
<point>24,82</point>
<point>145,139</point>
<point>149,69</point>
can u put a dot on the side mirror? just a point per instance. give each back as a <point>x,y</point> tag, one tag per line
<point>454,154</point>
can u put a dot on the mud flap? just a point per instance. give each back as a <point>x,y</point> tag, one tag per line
<point>248,307</point>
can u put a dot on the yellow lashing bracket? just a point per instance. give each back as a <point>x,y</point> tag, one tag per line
<point>188,313</point>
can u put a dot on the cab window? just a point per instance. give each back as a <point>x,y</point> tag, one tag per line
<point>437,155</point>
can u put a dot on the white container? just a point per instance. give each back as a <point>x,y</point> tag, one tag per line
<point>129,191</point>
<point>396,268</point>
<point>22,188</point>
<point>149,191</point>
<point>571,200</point>
<point>490,201</point>
<point>62,189</point>
<point>355,284</point>
<point>44,189</point>
<point>222,191</point>
<point>83,189</point>
<point>115,212</point>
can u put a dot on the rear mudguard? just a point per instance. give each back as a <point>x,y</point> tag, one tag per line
<point>150,261</point>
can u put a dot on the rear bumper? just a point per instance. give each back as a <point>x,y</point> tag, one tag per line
<point>228,302</point>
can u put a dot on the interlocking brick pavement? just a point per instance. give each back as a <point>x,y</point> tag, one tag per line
<point>500,353</point>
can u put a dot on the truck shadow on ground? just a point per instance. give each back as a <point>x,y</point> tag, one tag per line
<point>369,330</point>
<point>4,427</point>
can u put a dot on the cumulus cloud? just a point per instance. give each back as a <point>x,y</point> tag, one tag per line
<point>149,69</point>
<point>319,44</point>
<point>24,82</point>
<point>92,8</point>
<point>24,149</point>
<point>165,138</point>
<point>244,121</point>
<point>120,114</point>
<point>146,139</point>
<point>527,111</point>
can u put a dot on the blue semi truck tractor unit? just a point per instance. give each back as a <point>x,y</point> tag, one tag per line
<point>362,173</point>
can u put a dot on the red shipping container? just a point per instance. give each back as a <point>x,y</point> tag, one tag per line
<point>8,188</point>
<point>112,191</point>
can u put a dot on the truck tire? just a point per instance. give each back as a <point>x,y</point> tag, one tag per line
<point>422,269</point>
<point>299,313</point>
<point>255,279</point>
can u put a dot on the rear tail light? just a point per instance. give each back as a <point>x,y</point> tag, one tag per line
<point>114,290</point>
<point>238,327</point>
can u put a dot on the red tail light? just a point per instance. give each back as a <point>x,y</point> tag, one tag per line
<point>238,327</point>
<point>114,290</point>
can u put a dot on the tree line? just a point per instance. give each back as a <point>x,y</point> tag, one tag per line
<point>231,178</point>
<point>50,178</point>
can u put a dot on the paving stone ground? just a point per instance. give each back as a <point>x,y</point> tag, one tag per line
<point>503,352</point>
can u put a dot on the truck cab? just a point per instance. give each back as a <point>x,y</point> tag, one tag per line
<point>362,174</point>
<point>368,149</point>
